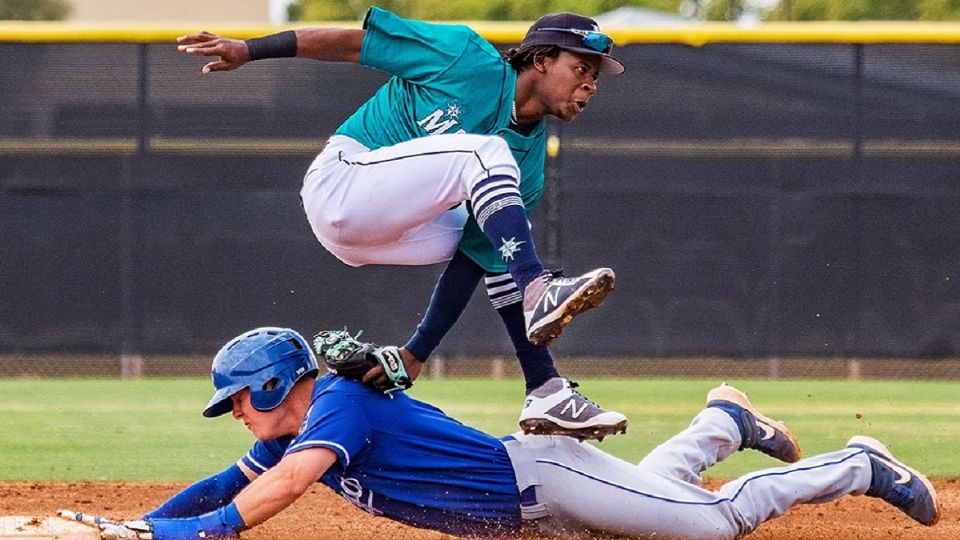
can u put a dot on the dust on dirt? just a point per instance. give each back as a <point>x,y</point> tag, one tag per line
<point>322,515</point>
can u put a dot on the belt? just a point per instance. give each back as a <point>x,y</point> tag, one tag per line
<point>528,502</point>
<point>528,497</point>
<point>525,469</point>
<point>530,508</point>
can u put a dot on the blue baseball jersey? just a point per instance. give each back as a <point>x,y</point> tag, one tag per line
<point>404,459</point>
<point>445,79</point>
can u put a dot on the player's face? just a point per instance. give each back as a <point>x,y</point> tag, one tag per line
<point>263,424</point>
<point>569,81</point>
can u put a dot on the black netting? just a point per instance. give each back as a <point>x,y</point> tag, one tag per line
<point>756,200</point>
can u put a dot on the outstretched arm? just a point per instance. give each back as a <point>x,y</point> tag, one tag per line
<point>450,298</point>
<point>264,498</point>
<point>325,44</point>
<point>207,494</point>
<point>283,484</point>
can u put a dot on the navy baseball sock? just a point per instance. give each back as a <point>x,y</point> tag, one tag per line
<point>535,360</point>
<point>450,297</point>
<point>499,211</point>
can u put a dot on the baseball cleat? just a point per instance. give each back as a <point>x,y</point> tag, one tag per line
<point>550,301</point>
<point>898,484</point>
<point>555,408</point>
<point>756,430</point>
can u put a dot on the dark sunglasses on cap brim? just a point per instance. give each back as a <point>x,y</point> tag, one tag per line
<point>592,39</point>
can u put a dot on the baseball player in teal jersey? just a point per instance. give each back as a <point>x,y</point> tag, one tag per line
<point>406,460</point>
<point>444,163</point>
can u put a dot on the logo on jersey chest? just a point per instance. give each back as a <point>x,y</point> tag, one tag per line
<point>442,120</point>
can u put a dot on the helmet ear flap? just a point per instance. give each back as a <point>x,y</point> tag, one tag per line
<point>270,394</point>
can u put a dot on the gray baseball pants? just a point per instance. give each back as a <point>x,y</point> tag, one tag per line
<point>579,489</point>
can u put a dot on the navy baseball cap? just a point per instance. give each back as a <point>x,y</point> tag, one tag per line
<point>574,33</point>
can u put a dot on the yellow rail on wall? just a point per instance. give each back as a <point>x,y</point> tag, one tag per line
<point>695,34</point>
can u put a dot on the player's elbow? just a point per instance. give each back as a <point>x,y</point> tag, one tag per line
<point>298,471</point>
<point>295,490</point>
<point>290,487</point>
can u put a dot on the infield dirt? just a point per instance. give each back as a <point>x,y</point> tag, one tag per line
<point>321,515</point>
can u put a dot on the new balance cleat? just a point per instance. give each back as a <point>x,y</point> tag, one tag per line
<point>898,484</point>
<point>551,301</point>
<point>756,430</point>
<point>556,408</point>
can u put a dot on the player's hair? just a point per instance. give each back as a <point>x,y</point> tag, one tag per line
<point>522,59</point>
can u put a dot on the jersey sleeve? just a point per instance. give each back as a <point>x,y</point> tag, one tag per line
<point>415,51</point>
<point>265,454</point>
<point>337,422</point>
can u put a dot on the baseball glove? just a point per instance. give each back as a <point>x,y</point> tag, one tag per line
<point>349,358</point>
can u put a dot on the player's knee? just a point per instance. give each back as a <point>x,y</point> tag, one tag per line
<point>353,240</point>
<point>345,232</point>
<point>334,228</point>
<point>495,150</point>
<point>496,158</point>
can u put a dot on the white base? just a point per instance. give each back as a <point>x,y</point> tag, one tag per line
<point>45,528</point>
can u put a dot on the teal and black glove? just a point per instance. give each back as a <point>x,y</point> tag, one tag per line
<point>349,358</point>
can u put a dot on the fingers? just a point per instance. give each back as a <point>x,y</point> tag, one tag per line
<point>109,529</point>
<point>68,514</point>
<point>113,531</point>
<point>196,38</point>
<point>376,377</point>
<point>84,518</point>
<point>204,48</point>
<point>207,45</point>
<point>217,66</point>
<point>233,53</point>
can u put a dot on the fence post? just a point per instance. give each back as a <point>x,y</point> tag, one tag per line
<point>854,371</point>
<point>438,367</point>
<point>131,366</point>
<point>496,368</point>
<point>131,363</point>
<point>773,367</point>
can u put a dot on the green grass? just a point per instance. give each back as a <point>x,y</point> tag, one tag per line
<point>151,430</point>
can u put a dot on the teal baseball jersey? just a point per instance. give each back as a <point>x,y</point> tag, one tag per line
<point>445,79</point>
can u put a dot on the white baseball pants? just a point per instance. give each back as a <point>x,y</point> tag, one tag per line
<point>398,204</point>
<point>581,489</point>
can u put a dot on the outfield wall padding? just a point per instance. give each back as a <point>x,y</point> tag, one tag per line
<point>755,199</point>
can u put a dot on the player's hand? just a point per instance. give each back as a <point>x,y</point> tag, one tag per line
<point>110,529</point>
<point>233,53</point>
<point>377,377</point>
<point>128,530</point>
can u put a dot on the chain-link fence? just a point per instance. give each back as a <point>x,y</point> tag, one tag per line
<point>771,208</point>
<point>442,366</point>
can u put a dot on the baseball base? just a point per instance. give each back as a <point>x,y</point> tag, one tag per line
<point>45,528</point>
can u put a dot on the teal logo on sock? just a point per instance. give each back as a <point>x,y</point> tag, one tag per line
<point>509,247</point>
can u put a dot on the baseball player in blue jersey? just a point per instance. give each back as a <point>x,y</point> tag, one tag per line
<point>406,460</point>
<point>444,163</point>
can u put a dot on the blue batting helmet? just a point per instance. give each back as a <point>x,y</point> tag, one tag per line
<point>268,361</point>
